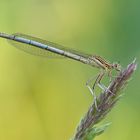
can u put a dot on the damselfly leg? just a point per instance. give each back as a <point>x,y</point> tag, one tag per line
<point>99,84</point>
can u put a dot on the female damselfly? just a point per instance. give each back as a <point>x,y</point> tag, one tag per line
<point>41,47</point>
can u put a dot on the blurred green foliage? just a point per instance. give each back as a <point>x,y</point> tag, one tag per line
<point>44,98</point>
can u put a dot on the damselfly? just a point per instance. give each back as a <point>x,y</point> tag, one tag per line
<point>41,47</point>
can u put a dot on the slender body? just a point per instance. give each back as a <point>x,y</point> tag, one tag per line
<point>95,61</point>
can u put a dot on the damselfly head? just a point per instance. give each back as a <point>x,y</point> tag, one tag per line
<point>117,66</point>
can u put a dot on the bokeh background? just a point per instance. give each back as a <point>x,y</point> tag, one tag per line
<point>44,99</point>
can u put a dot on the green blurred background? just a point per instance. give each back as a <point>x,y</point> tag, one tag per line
<point>44,99</point>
